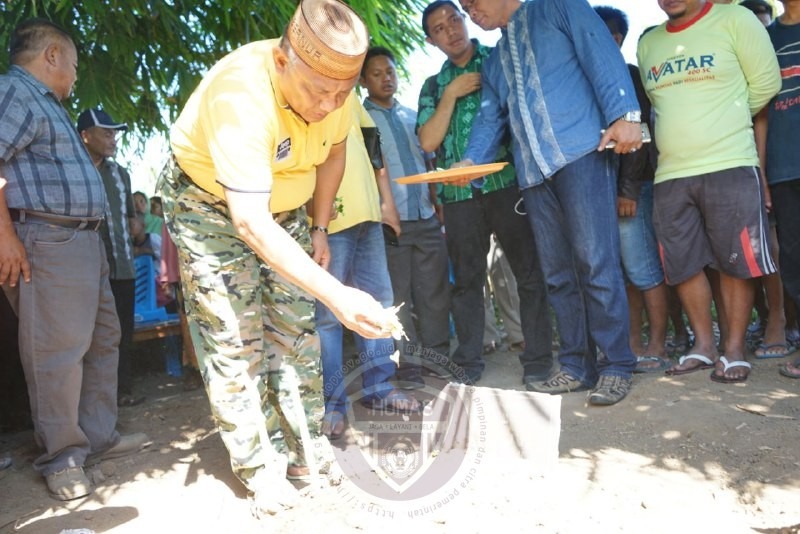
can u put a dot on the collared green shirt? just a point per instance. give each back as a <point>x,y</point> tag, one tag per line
<point>455,141</point>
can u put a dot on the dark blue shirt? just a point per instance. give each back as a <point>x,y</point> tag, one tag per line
<point>783,158</point>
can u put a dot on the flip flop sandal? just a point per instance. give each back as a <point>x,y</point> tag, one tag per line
<point>773,350</point>
<point>706,363</point>
<point>663,364</point>
<point>722,379</point>
<point>784,370</point>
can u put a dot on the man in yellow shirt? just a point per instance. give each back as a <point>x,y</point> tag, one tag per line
<point>264,130</point>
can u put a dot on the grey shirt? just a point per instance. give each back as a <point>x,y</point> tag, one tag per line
<point>41,154</point>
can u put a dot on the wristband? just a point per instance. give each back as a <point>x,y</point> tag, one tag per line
<point>632,116</point>
<point>323,229</point>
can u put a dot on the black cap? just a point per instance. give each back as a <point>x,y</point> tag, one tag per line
<point>99,118</point>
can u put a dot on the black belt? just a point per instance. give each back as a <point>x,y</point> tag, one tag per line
<point>64,221</point>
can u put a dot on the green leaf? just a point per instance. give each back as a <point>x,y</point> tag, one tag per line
<point>141,59</point>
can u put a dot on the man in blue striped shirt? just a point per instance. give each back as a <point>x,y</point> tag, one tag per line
<point>53,266</point>
<point>448,104</point>
<point>558,82</point>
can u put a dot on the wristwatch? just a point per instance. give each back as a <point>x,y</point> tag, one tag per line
<point>632,116</point>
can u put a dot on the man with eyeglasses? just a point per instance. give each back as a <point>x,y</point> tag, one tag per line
<point>558,82</point>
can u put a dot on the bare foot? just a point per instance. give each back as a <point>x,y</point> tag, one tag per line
<point>775,333</point>
<point>646,361</point>
<point>731,369</point>
<point>695,360</point>
<point>791,369</point>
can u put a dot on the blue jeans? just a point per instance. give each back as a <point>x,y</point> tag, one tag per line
<point>574,219</point>
<point>358,259</point>
<point>638,244</point>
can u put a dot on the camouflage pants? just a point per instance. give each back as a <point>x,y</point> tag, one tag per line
<point>252,330</point>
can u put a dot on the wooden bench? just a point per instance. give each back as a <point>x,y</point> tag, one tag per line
<point>156,330</point>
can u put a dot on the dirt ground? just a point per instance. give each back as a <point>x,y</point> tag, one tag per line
<point>679,454</point>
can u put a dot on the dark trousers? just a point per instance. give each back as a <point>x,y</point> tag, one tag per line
<point>124,300</point>
<point>418,270</point>
<point>469,226</point>
<point>785,203</point>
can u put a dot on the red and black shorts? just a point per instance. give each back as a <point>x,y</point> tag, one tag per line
<point>716,219</point>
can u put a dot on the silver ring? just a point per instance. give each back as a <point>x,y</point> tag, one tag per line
<point>633,150</point>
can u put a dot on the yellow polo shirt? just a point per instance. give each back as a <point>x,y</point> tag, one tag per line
<point>358,191</point>
<point>237,131</point>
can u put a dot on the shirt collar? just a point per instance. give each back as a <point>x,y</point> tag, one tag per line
<point>272,75</point>
<point>280,99</point>
<point>702,13</point>
<point>17,71</point>
<point>369,104</point>
<point>479,50</point>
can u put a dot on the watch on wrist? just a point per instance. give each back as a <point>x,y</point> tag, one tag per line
<point>632,116</point>
<point>323,229</point>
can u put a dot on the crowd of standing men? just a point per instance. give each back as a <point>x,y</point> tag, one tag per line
<point>274,138</point>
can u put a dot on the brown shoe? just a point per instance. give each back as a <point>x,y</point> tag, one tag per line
<point>561,382</point>
<point>67,484</point>
<point>610,389</point>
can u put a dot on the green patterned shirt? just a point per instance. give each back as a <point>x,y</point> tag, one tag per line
<point>455,141</point>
